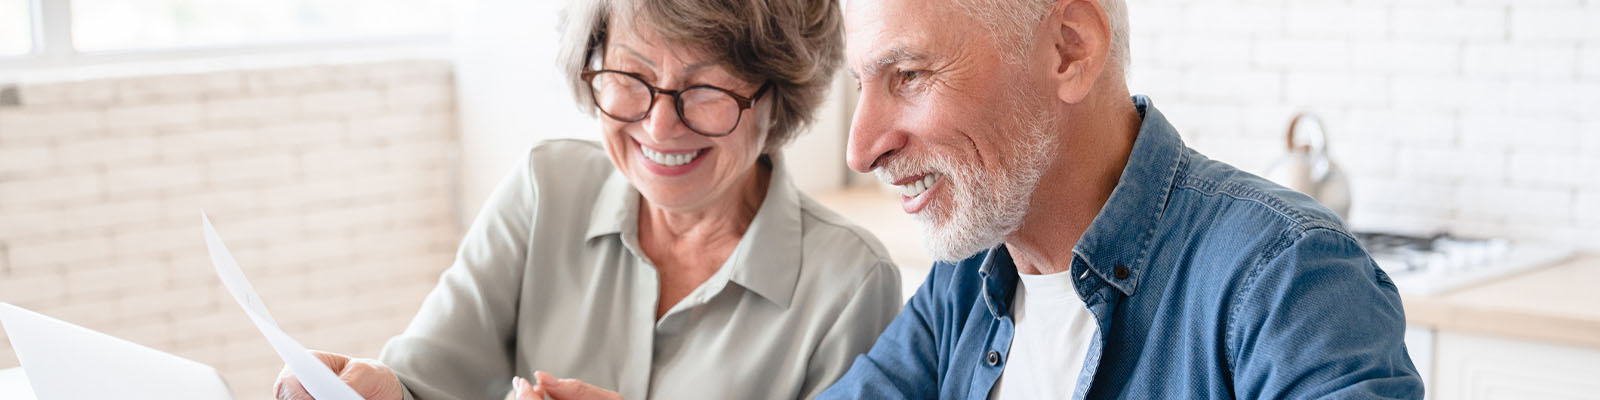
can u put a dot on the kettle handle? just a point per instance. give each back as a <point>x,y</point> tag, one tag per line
<point>1319,144</point>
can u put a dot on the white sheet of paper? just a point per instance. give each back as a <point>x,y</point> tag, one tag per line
<point>67,361</point>
<point>320,381</point>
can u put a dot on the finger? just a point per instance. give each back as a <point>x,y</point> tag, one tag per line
<point>288,387</point>
<point>334,361</point>
<point>371,379</point>
<point>361,376</point>
<point>571,388</point>
<point>525,390</point>
<point>543,384</point>
<point>544,380</point>
<point>277,383</point>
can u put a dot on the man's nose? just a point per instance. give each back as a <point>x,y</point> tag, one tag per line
<point>872,135</point>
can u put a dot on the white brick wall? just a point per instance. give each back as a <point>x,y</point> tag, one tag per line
<point>329,182</point>
<point>1476,116</point>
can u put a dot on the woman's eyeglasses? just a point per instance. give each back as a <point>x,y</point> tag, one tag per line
<point>706,110</point>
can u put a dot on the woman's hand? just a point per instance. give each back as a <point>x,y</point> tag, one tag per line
<point>370,378</point>
<point>558,389</point>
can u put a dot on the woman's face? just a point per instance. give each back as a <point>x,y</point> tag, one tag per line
<point>671,165</point>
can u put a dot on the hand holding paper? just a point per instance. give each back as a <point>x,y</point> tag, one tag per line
<point>370,378</point>
<point>321,382</point>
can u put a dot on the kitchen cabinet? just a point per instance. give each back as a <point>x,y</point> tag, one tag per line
<point>1482,367</point>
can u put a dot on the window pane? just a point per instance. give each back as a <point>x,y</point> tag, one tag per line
<point>124,25</point>
<point>16,37</point>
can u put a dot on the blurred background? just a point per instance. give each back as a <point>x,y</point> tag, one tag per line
<point>339,146</point>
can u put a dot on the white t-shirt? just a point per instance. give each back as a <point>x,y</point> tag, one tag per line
<point>1053,332</point>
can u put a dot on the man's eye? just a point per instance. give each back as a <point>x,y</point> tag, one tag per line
<point>909,76</point>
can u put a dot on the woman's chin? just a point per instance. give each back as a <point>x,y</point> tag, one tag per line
<point>672,198</point>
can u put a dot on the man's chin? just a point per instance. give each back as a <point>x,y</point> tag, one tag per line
<point>943,245</point>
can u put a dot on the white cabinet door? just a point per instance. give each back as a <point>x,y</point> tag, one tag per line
<point>1419,345</point>
<point>1472,367</point>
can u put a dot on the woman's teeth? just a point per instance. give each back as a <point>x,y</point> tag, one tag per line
<point>669,159</point>
<point>916,187</point>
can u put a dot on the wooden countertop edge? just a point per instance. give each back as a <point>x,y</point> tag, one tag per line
<point>1423,311</point>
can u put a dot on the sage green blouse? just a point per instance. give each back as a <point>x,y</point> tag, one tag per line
<point>550,277</point>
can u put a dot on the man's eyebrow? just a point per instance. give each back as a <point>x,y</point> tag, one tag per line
<point>894,55</point>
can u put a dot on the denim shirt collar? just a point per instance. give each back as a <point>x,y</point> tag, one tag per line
<point>1120,234</point>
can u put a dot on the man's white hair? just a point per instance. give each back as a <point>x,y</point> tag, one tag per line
<point>1011,22</point>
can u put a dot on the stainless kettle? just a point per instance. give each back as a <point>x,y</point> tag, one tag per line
<point>1308,169</point>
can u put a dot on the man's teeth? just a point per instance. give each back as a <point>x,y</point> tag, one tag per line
<point>668,159</point>
<point>916,187</point>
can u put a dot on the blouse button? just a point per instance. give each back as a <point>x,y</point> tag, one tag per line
<point>994,358</point>
<point>1121,272</point>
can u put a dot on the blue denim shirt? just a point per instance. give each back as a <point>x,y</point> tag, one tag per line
<point>1205,282</point>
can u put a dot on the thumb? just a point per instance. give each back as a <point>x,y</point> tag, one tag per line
<point>568,388</point>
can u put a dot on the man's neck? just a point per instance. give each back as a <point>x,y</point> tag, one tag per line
<point>1095,146</point>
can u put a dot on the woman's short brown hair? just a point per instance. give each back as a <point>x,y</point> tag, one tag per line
<point>794,44</point>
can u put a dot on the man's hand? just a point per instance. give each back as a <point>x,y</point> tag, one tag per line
<point>370,378</point>
<point>559,389</point>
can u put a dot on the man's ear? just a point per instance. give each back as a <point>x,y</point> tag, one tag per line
<point>1079,37</point>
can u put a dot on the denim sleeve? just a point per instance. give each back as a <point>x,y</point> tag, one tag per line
<point>902,363</point>
<point>1320,320</point>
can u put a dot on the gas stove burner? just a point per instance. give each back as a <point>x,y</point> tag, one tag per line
<point>1436,251</point>
<point>1437,262</point>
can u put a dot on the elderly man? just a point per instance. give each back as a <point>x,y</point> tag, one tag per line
<point>1085,251</point>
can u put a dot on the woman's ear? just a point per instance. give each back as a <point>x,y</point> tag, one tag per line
<point>1079,42</point>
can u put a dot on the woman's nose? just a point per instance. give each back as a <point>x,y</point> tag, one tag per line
<point>663,122</point>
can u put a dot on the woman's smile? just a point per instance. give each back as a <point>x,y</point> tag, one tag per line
<point>670,162</point>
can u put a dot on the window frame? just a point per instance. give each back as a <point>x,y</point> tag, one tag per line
<point>51,25</point>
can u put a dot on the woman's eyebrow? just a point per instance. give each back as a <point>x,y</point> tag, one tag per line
<point>637,54</point>
<point>686,70</point>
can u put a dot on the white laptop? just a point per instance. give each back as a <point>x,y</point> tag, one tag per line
<point>69,362</point>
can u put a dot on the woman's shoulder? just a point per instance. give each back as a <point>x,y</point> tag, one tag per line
<point>563,178</point>
<point>567,164</point>
<point>835,246</point>
<point>557,152</point>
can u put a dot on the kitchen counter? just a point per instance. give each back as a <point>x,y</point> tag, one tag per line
<point>1555,304</point>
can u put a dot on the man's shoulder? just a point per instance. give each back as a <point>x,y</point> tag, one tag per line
<point>1236,200</point>
<point>1237,227</point>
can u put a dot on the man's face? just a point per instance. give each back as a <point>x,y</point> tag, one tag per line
<point>944,117</point>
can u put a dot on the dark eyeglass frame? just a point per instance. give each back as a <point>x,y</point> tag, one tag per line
<point>744,103</point>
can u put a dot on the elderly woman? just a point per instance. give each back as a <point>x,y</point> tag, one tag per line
<point>674,258</point>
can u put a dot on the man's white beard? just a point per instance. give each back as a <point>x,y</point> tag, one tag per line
<point>984,209</point>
